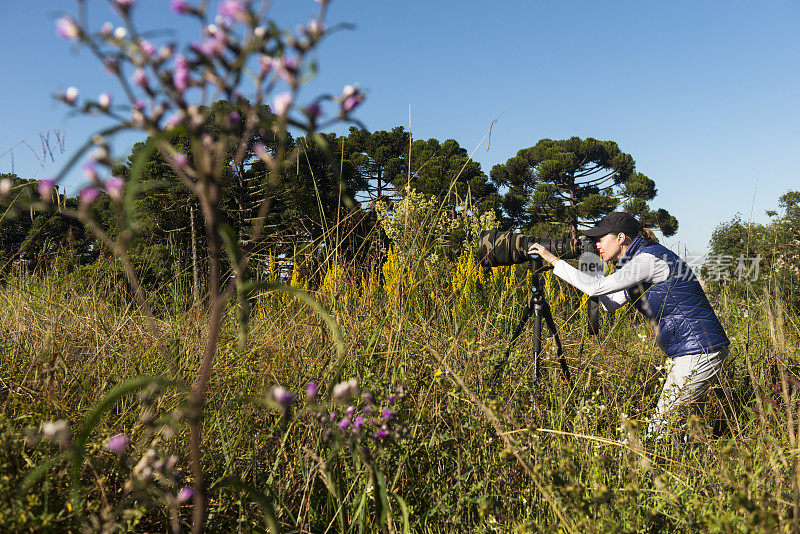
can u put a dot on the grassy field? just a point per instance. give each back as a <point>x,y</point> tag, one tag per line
<point>519,457</point>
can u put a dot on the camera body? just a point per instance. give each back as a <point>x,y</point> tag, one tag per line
<point>496,247</point>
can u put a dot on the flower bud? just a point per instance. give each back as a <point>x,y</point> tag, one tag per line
<point>71,95</point>
<point>104,100</point>
<point>66,28</point>
<point>117,444</point>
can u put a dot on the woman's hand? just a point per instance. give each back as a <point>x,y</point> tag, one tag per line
<point>543,253</point>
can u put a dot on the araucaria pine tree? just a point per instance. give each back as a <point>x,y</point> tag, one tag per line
<point>575,182</point>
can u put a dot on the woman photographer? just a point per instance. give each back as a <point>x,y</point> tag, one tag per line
<point>661,286</point>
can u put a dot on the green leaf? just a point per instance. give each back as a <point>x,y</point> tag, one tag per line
<point>234,483</point>
<point>404,511</point>
<point>381,498</point>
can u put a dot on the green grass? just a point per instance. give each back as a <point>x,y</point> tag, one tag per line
<point>522,457</point>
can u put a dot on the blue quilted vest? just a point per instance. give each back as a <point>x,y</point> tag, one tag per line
<point>683,320</point>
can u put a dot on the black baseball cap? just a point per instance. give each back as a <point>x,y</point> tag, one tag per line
<point>614,223</point>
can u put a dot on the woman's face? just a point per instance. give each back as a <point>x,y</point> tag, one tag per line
<point>612,246</point>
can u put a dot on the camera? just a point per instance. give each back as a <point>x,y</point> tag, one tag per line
<point>496,247</point>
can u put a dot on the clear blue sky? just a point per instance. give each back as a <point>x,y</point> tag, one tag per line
<point>703,95</point>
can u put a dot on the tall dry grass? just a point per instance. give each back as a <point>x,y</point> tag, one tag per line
<point>523,456</point>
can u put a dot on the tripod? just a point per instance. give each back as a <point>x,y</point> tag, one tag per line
<point>539,308</point>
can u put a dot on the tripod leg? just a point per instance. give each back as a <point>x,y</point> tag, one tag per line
<point>537,338</point>
<point>551,324</point>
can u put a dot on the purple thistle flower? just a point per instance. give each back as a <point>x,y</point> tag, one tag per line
<point>343,424</point>
<point>88,195</point>
<point>387,414</point>
<point>358,423</point>
<point>140,78</point>
<point>139,105</point>
<point>90,171</point>
<point>148,48</point>
<point>312,387</point>
<point>332,417</point>
<point>390,400</point>
<point>114,187</point>
<point>212,47</point>
<point>351,102</point>
<point>66,28</point>
<point>313,110</point>
<point>281,103</point>
<point>185,494</point>
<point>181,75</point>
<point>233,10</point>
<point>351,97</point>
<point>350,412</point>
<point>45,189</point>
<point>368,399</point>
<point>180,7</point>
<point>117,444</point>
<point>282,396</point>
<point>180,160</point>
<point>381,434</point>
<point>234,117</point>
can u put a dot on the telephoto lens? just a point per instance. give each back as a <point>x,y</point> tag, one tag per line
<point>496,247</point>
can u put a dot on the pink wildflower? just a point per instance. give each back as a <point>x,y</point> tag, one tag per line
<point>71,95</point>
<point>233,9</point>
<point>180,7</point>
<point>351,97</point>
<point>186,494</point>
<point>66,28</point>
<point>180,160</point>
<point>114,187</point>
<point>45,189</point>
<point>104,100</point>
<point>148,48</point>
<point>88,195</point>
<point>140,78</point>
<point>5,187</point>
<point>281,103</point>
<point>214,46</point>
<point>117,444</point>
<point>181,75</point>
<point>90,171</point>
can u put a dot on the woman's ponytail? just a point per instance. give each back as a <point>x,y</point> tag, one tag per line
<point>649,236</point>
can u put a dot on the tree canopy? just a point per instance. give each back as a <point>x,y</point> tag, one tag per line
<point>575,182</point>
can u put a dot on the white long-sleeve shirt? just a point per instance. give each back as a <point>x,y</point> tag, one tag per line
<point>610,289</point>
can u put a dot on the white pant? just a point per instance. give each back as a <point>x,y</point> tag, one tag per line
<point>688,380</point>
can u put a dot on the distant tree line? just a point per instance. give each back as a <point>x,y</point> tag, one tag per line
<point>326,197</point>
